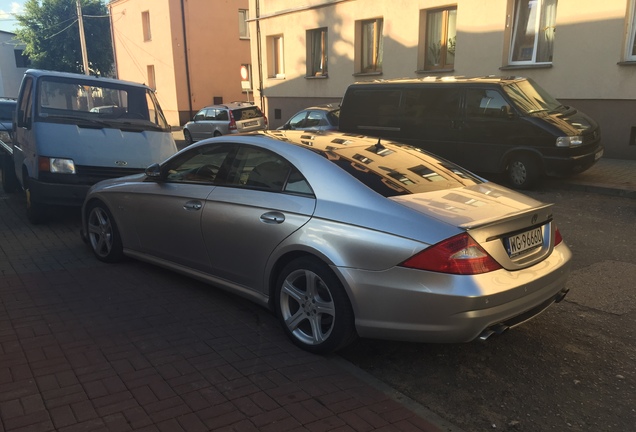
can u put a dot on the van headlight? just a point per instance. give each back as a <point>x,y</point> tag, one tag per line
<point>569,141</point>
<point>5,137</point>
<point>57,165</point>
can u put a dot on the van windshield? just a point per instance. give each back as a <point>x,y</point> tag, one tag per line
<point>529,97</point>
<point>100,104</point>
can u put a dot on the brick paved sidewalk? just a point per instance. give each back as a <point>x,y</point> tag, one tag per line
<point>86,346</point>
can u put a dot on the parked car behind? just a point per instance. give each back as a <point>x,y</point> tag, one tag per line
<point>321,117</point>
<point>341,236</point>
<point>488,124</point>
<point>216,120</point>
<point>7,111</point>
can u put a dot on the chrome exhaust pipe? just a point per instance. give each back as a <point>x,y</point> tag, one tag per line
<point>496,329</point>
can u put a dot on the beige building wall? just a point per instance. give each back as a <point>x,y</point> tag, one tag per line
<point>192,67</point>
<point>588,69</point>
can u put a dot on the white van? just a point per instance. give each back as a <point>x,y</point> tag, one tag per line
<point>72,131</point>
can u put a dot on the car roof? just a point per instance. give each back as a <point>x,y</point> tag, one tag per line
<point>231,105</point>
<point>38,73</point>
<point>490,79</point>
<point>324,107</point>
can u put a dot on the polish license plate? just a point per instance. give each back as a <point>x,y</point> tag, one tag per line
<point>519,243</point>
<point>250,123</point>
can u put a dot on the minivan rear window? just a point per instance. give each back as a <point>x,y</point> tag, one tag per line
<point>247,113</point>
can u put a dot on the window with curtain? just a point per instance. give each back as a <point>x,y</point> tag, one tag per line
<point>533,31</point>
<point>276,63</point>
<point>371,45</point>
<point>317,52</point>
<point>441,33</point>
<point>244,30</point>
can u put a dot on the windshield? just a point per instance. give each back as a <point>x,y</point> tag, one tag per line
<point>530,98</point>
<point>106,103</point>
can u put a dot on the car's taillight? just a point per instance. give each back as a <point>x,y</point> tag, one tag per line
<point>265,117</point>
<point>232,125</point>
<point>457,255</point>
<point>557,236</point>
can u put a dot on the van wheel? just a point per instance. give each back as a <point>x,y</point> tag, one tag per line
<point>36,211</point>
<point>523,171</point>
<point>188,137</point>
<point>313,307</point>
<point>9,180</point>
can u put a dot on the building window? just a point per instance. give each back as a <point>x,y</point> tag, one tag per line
<point>533,31</point>
<point>371,45</point>
<point>630,55</point>
<point>21,60</point>
<point>244,30</point>
<point>145,23</point>
<point>317,52</point>
<point>152,83</point>
<point>276,61</point>
<point>440,36</point>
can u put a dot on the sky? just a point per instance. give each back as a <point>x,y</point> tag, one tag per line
<point>7,8</point>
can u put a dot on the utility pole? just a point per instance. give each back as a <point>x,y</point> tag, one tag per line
<point>82,38</point>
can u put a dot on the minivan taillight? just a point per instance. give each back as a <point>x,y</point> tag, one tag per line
<point>232,125</point>
<point>265,118</point>
<point>557,236</point>
<point>457,255</point>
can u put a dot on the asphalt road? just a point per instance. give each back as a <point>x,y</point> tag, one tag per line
<point>570,369</point>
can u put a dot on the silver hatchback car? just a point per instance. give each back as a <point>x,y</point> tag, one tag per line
<point>216,120</point>
<point>340,235</point>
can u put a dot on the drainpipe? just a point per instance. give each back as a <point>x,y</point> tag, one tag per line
<point>185,51</point>
<point>259,54</point>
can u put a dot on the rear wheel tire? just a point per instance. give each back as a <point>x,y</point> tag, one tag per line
<point>523,171</point>
<point>187,136</point>
<point>313,307</point>
<point>102,234</point>
<point>9,180</point>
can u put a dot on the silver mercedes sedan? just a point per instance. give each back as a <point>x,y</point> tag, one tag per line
<point>341,235</point>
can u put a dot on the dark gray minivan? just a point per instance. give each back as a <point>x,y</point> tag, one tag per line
<point>487,124</point>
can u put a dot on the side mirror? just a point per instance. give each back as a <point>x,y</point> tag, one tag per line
<point>154,171</point>
<point>507,112</point>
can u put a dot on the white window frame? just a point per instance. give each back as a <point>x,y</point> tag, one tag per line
<point>630,45</point>
<point>549,31</point>
<point>244,28</point>
<point>317,37</point>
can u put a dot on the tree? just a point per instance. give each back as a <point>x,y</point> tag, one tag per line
<point>50,31</point>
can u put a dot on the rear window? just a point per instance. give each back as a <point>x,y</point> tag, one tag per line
<point>247,113</point>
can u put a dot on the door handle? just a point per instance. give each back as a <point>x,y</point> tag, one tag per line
<point>193,205</point>
<point>273,217</point>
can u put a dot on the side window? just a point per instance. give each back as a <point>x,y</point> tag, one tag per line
<point>255,168</point>
<point>298,121</point>
<point>26,104</point>
<point>314,119</point>
<point>485,103</point>
<point>222,115</point>
<point>201,165</point>
<point>210,114</point>
<point>432,102</point>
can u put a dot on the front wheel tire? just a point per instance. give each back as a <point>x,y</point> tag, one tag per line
<point>187,136</point>
<point>313,307</point>
<point>103,235</point>
<point>523,171</point>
